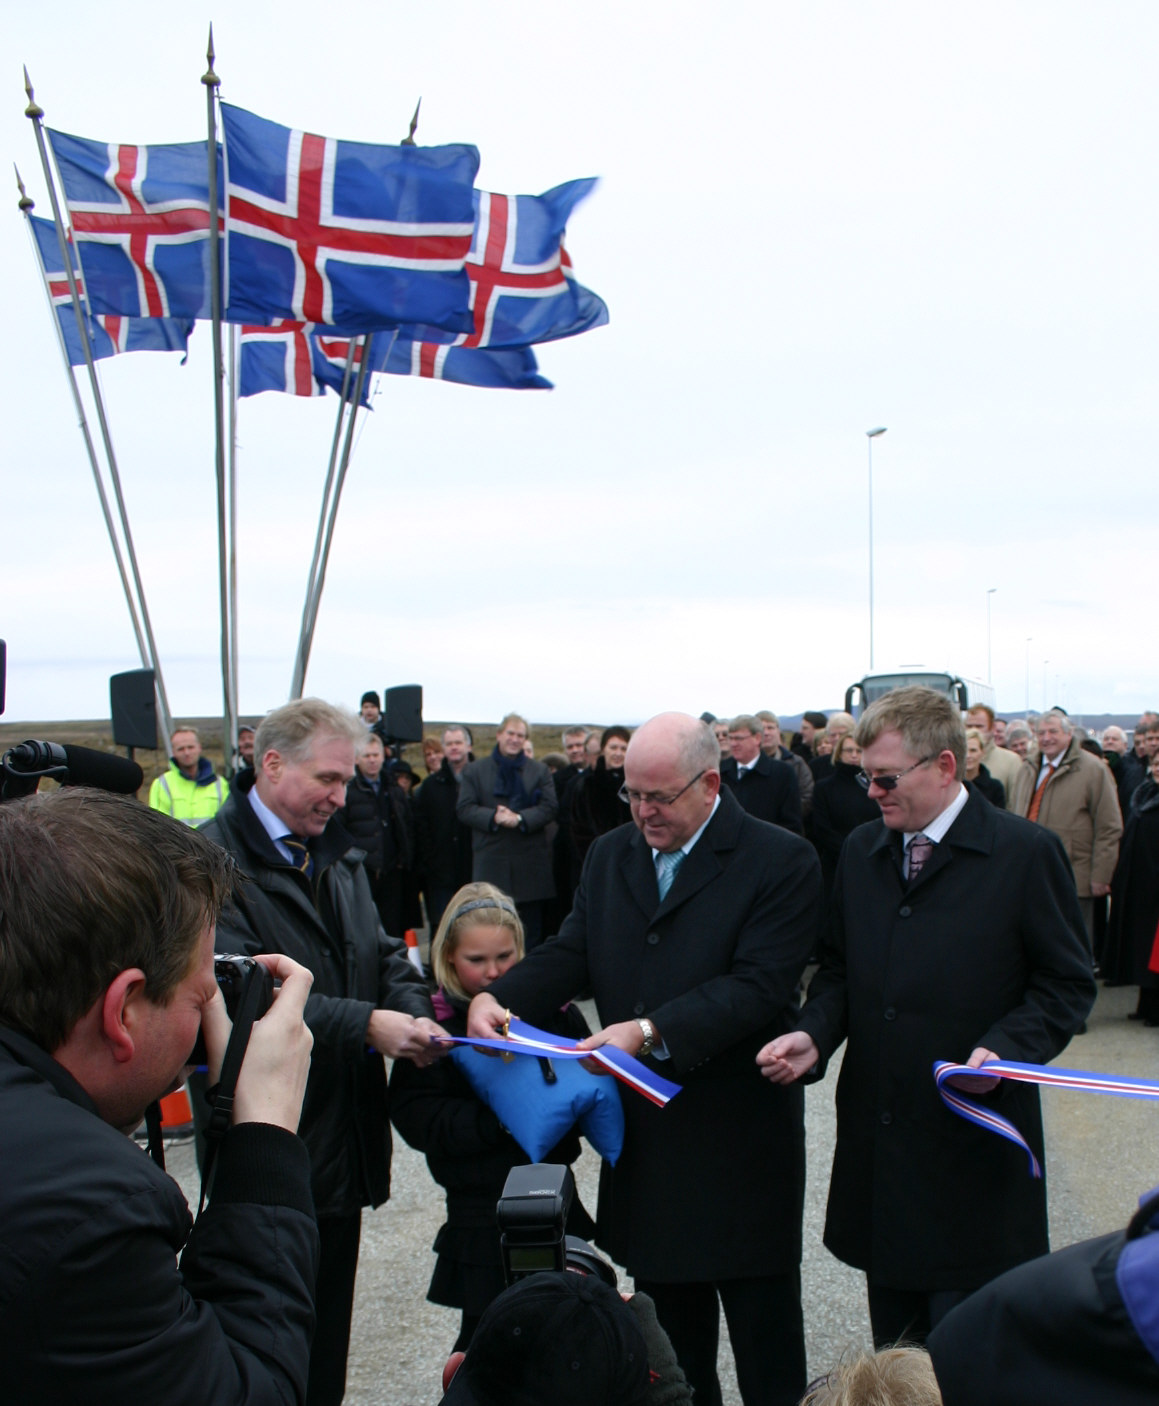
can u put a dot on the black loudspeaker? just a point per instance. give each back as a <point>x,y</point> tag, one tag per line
<point>134,709</point>
<point>404,712</point>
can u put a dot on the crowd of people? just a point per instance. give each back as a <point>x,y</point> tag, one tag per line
<point>958,884</point>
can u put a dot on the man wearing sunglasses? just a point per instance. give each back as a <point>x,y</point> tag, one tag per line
<point>692,926</point>
<point>955,934</point>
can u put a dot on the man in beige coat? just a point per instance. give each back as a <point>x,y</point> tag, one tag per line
<point>1002,765</point>
<point>1072,793</point>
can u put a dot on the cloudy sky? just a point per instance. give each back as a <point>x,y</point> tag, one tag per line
<point>813,220</point>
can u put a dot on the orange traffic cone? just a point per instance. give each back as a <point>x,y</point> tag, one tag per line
<point>412,950</point>
<point>176,1114</point>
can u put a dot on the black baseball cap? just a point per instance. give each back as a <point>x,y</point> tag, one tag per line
<point>559,1339</point>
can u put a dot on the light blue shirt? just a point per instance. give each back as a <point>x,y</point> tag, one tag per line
<point>273,825</point>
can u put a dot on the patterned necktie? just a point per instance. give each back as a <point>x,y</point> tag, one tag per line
<point>1036,799</point>
<point>920,849</point>
<point>300,856</point>
<point>667,866</point>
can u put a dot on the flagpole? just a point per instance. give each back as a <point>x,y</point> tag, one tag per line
<point>233,634</point>
<point>298,682</point>
<point>27,205</point>
<point>320,582</point>
<point>229,726</point>
<point>35,113</point>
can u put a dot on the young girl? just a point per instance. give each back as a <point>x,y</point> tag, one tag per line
<point>468,1151</point>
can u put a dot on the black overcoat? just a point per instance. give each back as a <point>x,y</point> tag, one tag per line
<point>331,927</point>
<point>768,791</point>
<point>710,1187</point>
<point>516,861</point>
<point>985,948</point>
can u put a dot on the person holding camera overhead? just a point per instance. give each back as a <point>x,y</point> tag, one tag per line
<point>309,897</point>
<point>108,1292</point>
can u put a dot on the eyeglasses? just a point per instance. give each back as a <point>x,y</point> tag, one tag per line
<point>639,798</point>
<point>889,783</point>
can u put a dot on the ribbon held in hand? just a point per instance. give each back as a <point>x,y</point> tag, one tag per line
<point>1119,1085</point>
<point>527,1040</point>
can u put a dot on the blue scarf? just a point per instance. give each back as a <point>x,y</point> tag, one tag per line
<point>509,781</point>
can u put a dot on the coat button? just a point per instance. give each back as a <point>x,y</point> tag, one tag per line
<point>904,911</point>
<point>653,939</point>
<point>890,1013</point>
<point>886,1119</point>
<point>638,1008</point>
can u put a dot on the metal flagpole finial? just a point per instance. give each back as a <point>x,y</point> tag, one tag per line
<point>209,78</point>
<point>409,139</point>
<point>26,201</point>
<point>33,110</point>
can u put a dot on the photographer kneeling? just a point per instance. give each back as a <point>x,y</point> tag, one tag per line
<point>107,912</point>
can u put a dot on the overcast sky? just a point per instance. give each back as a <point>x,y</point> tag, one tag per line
<point>813,220</point>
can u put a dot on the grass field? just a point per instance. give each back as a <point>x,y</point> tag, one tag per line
<point>546,737</point>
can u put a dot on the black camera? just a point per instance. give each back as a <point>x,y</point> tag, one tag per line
<point>233,975</point>
<point>532,1216</point>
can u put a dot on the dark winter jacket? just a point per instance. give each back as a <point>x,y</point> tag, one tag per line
<point>108,1294</point>
<point>331,926</point>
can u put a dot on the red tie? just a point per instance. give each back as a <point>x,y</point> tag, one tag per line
<point>1036,799</point>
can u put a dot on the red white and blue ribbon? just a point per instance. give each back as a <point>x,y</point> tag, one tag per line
<point>527,1040</point>
<point>1118,1085</point>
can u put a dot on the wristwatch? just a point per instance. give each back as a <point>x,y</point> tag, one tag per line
<point>649,1037</point>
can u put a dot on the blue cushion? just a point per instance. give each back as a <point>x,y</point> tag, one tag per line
<point>537,1114</point>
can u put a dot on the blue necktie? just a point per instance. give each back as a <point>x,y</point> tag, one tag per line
<point>667,866</point>
<point>301,859</point>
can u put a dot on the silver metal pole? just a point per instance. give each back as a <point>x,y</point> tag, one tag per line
<point>233,633</point>
<point>871,435</point>
<point>36,114</point>
<point>339,481</point>
<point>211,82</point>
<point>298,682</point>
<point>27,205</point>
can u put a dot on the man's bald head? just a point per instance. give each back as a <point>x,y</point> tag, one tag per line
<point>672,772</point>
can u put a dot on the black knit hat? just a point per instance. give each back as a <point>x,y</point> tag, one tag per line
<point>371,697</point>
<point>564,1339</point>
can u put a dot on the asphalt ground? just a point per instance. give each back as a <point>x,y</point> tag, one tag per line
<point>1102,1154</point>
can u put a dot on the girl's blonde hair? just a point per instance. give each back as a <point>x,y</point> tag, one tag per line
<point>474,906</point>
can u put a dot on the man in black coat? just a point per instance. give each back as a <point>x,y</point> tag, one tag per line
<point>508,800</point>
<point>108,1292</point>
<point>442,841</point>
<point>694,972</point>
<point>765,787</point>
<point>308,896</point>
<point>963,943</point>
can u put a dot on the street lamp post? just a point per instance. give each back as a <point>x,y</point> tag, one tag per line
<point>989,655</point>
<point>871,435</point>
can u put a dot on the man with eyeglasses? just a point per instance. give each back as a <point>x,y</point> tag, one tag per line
<point>955,934</point>
<point>692,927</point>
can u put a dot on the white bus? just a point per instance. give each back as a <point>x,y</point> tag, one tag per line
<point>967,693</point>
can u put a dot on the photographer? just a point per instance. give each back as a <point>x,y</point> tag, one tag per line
<point>108,1293</point>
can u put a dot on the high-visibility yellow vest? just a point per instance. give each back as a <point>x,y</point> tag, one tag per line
<point>185,800</point>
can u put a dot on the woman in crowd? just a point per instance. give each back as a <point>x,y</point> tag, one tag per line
<point>596,806</point>
<point>468,1151</point>
<point>979,776</point>
<point>840,804</point>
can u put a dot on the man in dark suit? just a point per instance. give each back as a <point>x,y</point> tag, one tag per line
<point>766,788</point>
<point>955,934</point>
<point>508,800</point>
<point>692,927</point>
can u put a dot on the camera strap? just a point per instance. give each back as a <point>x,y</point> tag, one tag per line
<point>220,1097</point>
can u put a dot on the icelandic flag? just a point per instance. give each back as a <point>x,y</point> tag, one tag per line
<point>522,286</point>
<point>108,333</point>
<point>503,368</point>
<point>277,358</point>
<point>345,234</point>
<point>140,217</point>
<point>330,355</point>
